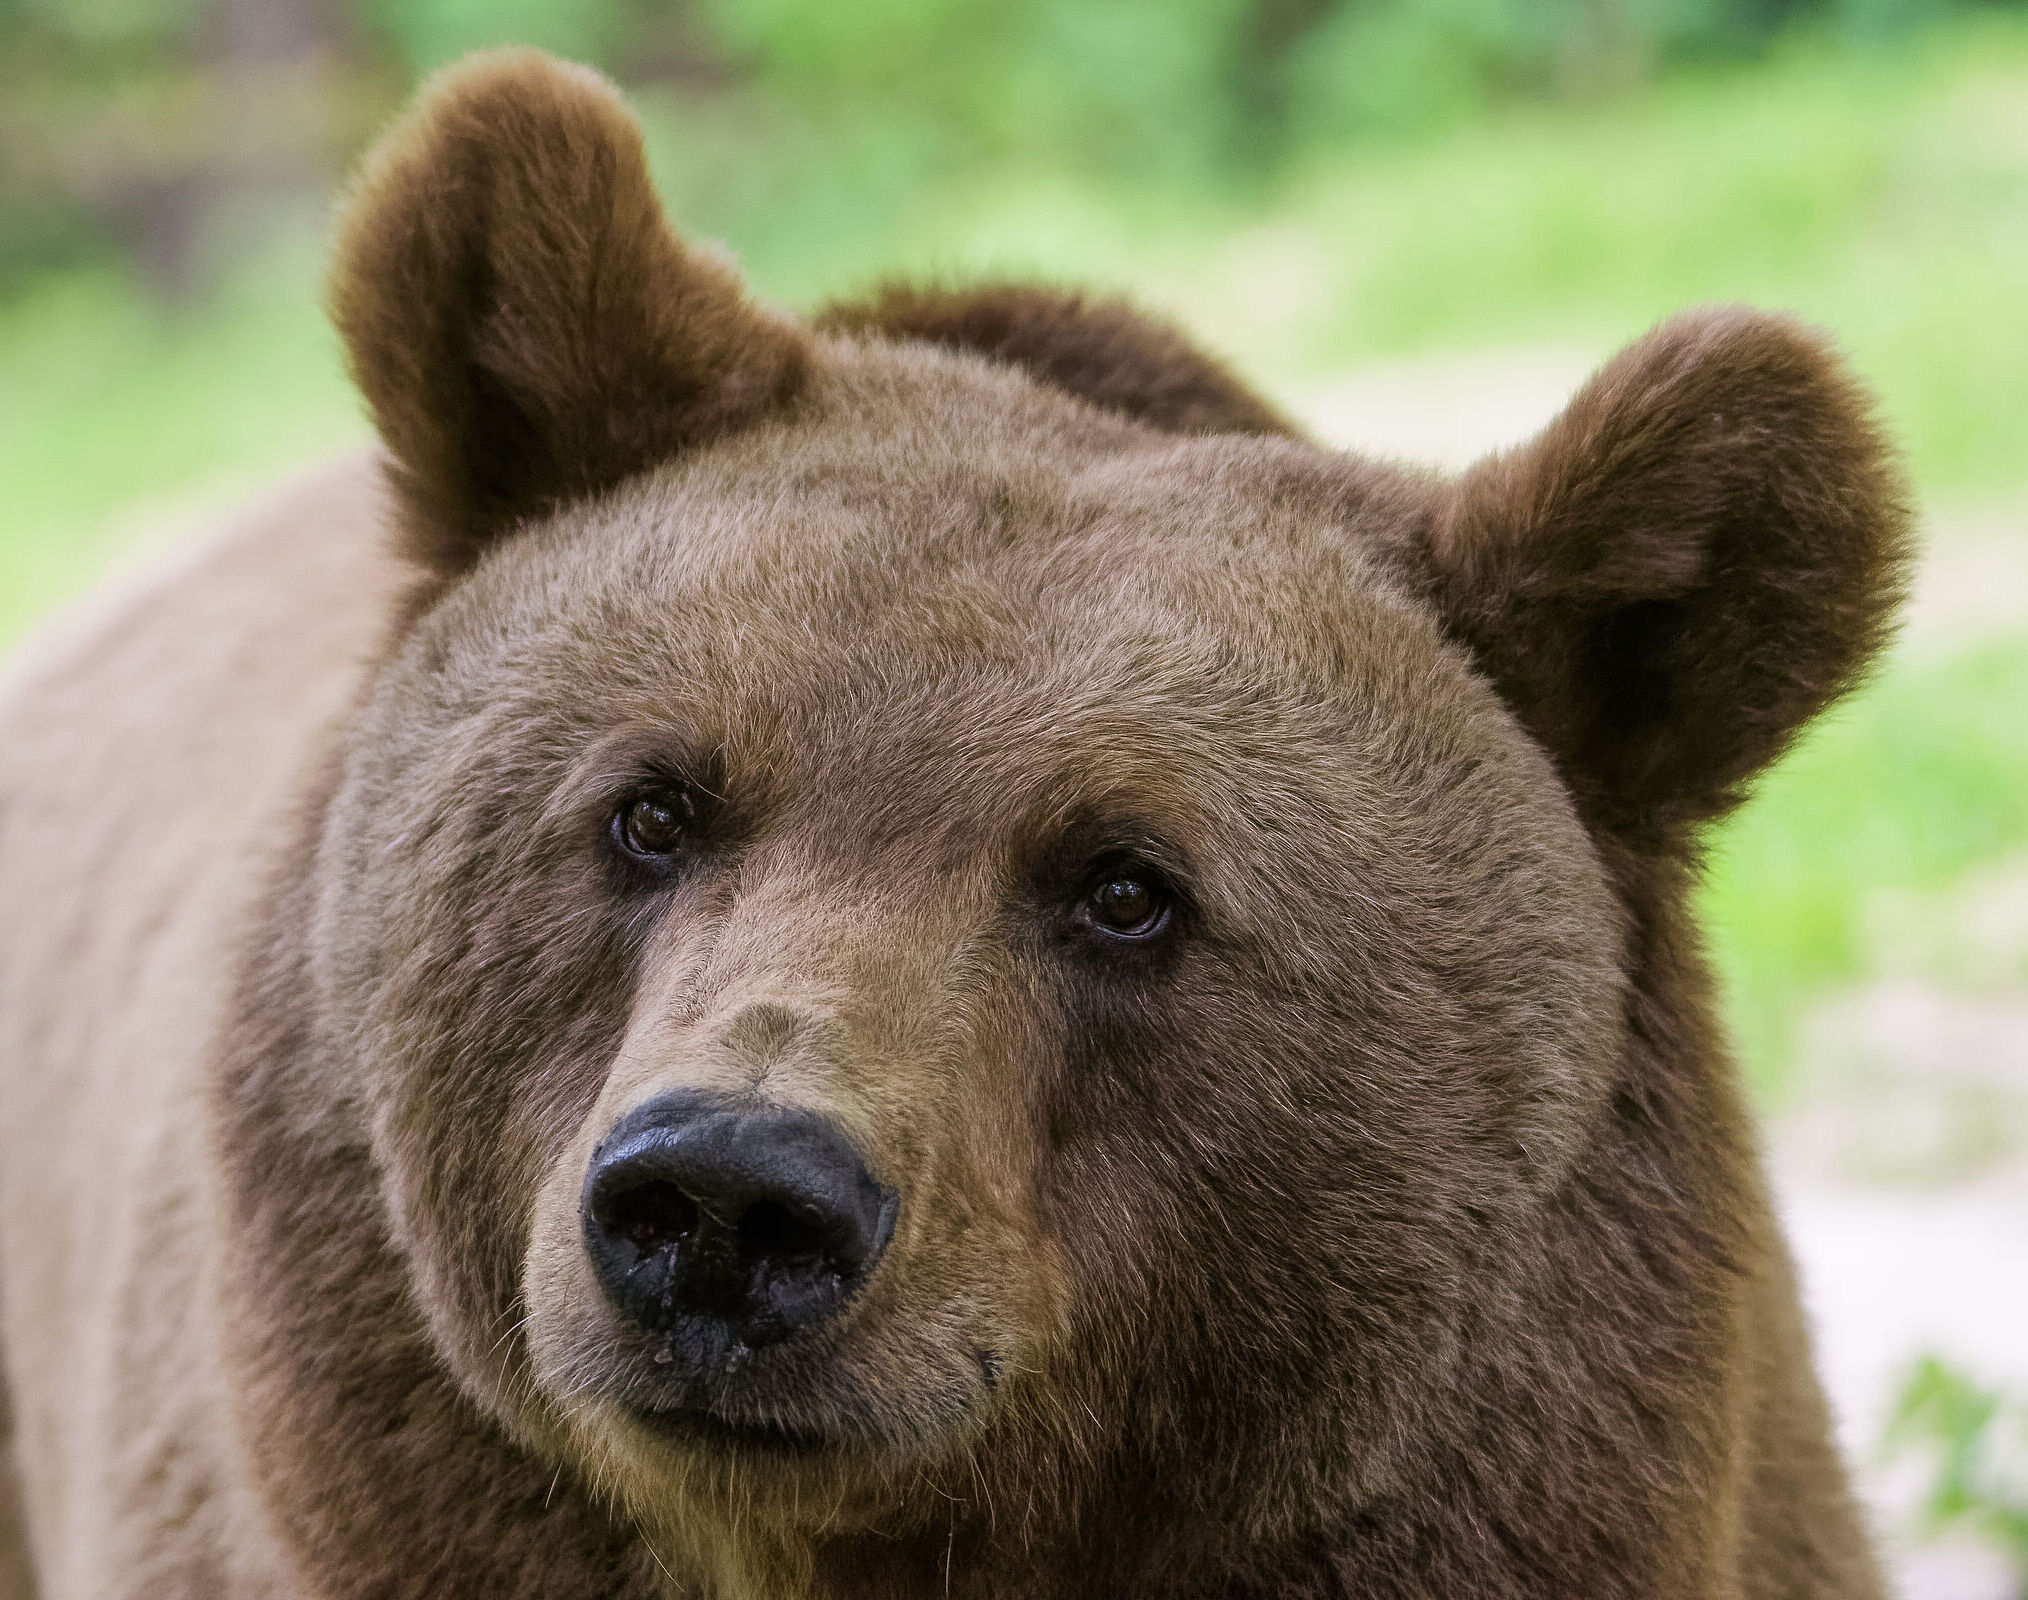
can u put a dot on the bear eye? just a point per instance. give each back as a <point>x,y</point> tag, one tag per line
<point>1128,902</point>
<point>656,825</point>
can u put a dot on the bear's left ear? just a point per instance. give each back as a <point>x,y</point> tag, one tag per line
<point>523,324</point>
<point>1694,559</point>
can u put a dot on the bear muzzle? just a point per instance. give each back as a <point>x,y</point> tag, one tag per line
<point>719,1228</point>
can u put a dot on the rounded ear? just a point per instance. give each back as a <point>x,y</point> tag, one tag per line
<point>1102,350</point>
<point>1695,558</point>
<point>523,324</point>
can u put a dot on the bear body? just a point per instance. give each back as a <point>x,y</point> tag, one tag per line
<point>921,955</point>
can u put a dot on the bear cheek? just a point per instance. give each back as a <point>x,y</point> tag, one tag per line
<point>569,1328</point>
<point>479,1055</point>
<point>975,1268</point>
<point>1289,1164</point>
<point>464,1210</point>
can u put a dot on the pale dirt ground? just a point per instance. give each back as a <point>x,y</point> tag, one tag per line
<point>1902,1170</point>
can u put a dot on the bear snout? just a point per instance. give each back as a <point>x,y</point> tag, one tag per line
<point>725,1227</point>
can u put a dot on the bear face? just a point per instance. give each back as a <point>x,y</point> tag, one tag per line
<point>924,666</point>
<point>933,913</point>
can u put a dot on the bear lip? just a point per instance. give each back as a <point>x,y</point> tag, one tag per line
<point>702,1426</point>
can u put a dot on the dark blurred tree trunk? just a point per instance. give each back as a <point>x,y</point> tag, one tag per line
<point>1270,35</point>
<point>1605,51</point>
<point>255,32</point>
<point>262,115</point>
<point>670,43</point>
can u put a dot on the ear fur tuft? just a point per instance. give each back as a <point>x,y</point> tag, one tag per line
<point>1106,351</point>
<point>1703,551</point>
<point>523,325</point>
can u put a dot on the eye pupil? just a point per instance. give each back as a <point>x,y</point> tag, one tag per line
<point>1126,904</point>
<point>655,824</point>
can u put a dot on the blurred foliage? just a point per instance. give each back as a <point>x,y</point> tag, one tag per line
<point>1976,1442</point>
<point>106,404</point>
<point>1906,788</point>
<point>145,127</point>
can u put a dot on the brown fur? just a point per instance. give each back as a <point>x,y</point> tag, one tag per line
<point>16,1580</point>
<point>1105,351</point>
<point>1651,582</point>
<point>1391,1227</point>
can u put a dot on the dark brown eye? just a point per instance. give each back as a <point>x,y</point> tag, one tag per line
<point>1129,904</point>
<point>655,825</point>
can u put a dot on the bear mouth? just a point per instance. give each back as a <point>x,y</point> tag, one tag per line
<point>702,1428</point>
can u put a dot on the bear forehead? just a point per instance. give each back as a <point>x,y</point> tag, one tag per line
<point>955,592</point>
<point>925,516</point>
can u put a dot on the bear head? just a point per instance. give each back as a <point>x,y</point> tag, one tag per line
<point>934,916</point>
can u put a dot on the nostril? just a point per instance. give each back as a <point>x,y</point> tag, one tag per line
<point>770,1231</point>
<point>651,1217</point>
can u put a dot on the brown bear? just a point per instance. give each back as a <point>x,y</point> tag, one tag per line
<point>919,954</point>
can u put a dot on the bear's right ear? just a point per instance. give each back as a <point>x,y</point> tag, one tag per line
<point>520,319</point>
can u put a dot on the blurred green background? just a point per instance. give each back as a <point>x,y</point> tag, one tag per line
<point>1450,193</point>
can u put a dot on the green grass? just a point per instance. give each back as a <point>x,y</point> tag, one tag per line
<point>107,404</point>
<point>1885,196</point>
<point>1968,1435</point>
<point>1917,782</point>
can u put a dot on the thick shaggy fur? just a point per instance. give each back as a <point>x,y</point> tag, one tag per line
<point>1387,1225</point>
<point>1103,351</point>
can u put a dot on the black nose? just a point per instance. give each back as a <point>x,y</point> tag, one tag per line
<point>735,1227</point>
